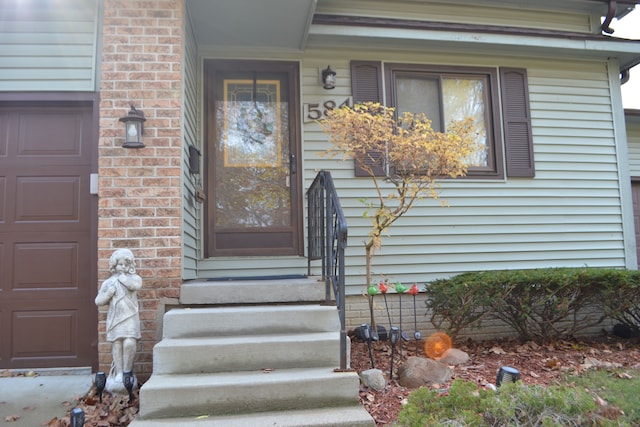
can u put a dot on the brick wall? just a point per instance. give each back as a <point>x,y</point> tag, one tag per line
<point>139,189</point>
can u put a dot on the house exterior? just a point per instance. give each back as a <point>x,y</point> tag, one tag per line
<point>633,138</point>
<point>231,92</point>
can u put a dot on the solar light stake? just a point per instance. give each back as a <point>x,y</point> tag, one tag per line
<point>507,374</point>
<point>416,334</point>
<point>101,382</point>
<point>366,332</point>
<point>394,336</point>
<point>127,380</point>
<point>77,417</point>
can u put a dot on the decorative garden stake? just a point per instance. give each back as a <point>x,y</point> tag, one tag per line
<point>416,333</point>
<point>371,292</point>
<point>394,335</point>
<point>383,291</point>
<point>400,289</point>
<point>366,332</point>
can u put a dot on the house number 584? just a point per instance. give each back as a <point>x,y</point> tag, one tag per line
<point>319,110</point>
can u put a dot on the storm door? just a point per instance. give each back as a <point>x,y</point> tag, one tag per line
<point>254,202</point>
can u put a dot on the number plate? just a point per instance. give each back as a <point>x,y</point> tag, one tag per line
<point>318,110</point>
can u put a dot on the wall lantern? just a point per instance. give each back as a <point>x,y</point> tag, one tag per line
<point>328,78</point>
<point>133,128</point>
<point>507,374</point>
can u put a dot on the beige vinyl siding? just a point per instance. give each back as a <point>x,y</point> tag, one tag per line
<point>568,215</point>
<point>633,138</point>
<point>48,47</point>
<point>191,209</point>
<point>448,12</point>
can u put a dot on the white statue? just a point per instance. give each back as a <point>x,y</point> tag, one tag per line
<point>123,320</point>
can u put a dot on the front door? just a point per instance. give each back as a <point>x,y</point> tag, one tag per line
<point>254,202</point>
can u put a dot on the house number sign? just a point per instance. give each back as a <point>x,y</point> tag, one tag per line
<point>318,110</point>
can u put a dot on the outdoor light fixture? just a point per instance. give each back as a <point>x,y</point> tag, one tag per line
<point>328,78</point>
<point>507,374</point>
<point>101,382</point>
<point>133,128</point>
<point>368,337</point>
<point>128,380</point>
<point>77,417</point>
<point>394,336</point>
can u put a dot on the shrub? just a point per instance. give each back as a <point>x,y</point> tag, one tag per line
<point>514,404</point>
<point>541,304</point>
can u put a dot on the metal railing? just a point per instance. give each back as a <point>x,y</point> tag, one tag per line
<point>327,240</point>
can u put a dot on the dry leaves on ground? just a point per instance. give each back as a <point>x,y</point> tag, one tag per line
<point>538,364</point>
<point>114,411</point>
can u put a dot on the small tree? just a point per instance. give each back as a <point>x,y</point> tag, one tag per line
<point>413,155</point>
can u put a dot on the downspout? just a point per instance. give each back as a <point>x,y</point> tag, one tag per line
<point>624,76</point>
<point>611,13</point>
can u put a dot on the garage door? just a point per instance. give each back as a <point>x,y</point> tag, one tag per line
<point>47,283</point>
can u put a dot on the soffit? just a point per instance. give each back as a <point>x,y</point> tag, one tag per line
<point>274,24</point>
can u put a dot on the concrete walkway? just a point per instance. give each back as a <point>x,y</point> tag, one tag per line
<point>38,399</point>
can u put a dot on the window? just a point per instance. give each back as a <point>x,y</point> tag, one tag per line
<point>445,94</point>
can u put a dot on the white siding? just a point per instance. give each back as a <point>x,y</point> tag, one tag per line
<point>633,138</point>
<point>514,15</point>
<point>191,209</point>
<point>48,46</point>
<point>568,215</point>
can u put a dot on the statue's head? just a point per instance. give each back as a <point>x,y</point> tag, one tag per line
<point>122,254</point>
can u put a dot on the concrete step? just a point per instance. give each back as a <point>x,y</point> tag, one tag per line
<point>246,353</point>
<point>234,320</point>
<point>305,289</point>
<point>164,396</point>
<point>347,416</point>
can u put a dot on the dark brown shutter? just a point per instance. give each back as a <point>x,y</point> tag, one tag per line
<point>366,86</point>
<point>517,122</point>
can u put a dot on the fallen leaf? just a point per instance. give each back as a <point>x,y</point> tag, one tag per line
<point>55,423</point>
<point>11,418</point>
<point>600,401</point>
<point>497,350</point>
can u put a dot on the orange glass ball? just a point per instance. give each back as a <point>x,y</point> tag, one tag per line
<point>437,344</point>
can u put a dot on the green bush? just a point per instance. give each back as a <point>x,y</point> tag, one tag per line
<point>540,304</point>
<point>514,404</point>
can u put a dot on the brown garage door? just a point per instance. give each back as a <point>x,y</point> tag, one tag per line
<point>47,285</point>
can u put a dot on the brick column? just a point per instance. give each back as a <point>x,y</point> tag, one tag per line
<point>139,189</point>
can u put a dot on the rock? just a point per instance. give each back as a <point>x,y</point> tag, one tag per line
<point>373,379</point>
<point>454,356</point>
<point>417,372</point>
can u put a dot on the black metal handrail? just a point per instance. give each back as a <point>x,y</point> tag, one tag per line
<point>327,240</point>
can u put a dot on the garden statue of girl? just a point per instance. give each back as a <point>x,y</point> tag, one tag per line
<point>123,320</point>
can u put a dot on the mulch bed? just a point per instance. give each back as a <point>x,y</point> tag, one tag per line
<point>538,364</point>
